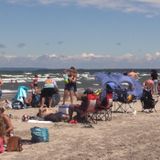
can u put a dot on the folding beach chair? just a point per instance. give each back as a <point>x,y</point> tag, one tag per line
<point>102,109</point>
<point>124,102</point>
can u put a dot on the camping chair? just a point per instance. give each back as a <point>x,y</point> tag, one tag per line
<point>102,109</point>
<point>147,100</point>
<point>92,109</point>
<point>125,106</point>
<point>124,101</point>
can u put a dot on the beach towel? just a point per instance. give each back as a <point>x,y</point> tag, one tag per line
<point>21,94</point>
<point>38,121</point>
<point>19,100</point>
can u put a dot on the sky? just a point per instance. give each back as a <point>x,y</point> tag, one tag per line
<point>83,33</point>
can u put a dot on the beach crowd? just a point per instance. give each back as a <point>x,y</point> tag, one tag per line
<point>74,106</point>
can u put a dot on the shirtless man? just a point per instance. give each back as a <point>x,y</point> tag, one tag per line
<point>133,74</point>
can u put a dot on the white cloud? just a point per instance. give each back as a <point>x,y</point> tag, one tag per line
<point>52,56</point>
<point>150,7</point>
<point>93,55</point>
<point>126,57</point>
<point>152,57</point>
<point>150,1</point>
<point>85,60</point>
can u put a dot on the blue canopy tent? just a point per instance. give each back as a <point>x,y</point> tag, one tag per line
<point>117,81</point>
<point>123,87</point>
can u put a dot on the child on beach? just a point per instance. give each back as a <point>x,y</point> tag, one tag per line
<point>70,84</point>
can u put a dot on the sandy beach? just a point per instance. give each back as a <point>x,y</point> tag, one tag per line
<point>125,137</point>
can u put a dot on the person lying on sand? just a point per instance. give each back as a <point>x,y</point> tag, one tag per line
<point>49,115</point>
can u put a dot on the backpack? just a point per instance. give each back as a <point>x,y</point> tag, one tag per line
<point>39,135</point>
<point>14,144</point>
<point>17,105</point>
<point>147,99</point>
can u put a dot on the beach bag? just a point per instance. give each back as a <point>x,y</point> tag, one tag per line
<point>17,105</point>
<point>14,144</point>
<point>39,135</point>
<point>147,99</point>
<point>1,145</point>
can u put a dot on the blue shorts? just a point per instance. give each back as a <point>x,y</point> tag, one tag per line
<point>69,87</point>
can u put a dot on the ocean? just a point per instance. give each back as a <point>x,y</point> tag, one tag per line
<point>14,77</point>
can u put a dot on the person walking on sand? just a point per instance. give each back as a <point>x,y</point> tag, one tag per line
<point>154,76</point>
<point>70,84</point>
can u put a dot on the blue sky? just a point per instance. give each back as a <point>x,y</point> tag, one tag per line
<point>84,33</point>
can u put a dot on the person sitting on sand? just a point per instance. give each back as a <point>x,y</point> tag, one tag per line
<point>6,125</point>
<point>35,96</point>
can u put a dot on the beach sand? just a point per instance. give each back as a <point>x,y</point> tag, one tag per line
<point>125,137</point>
